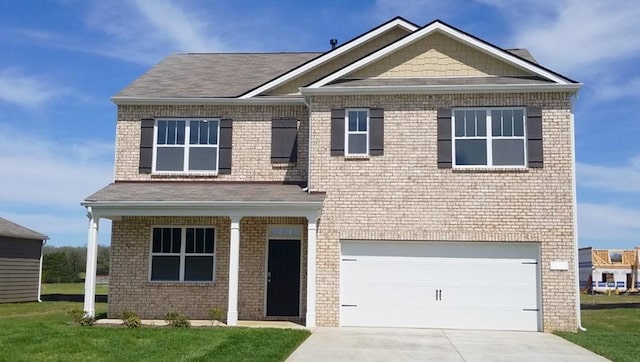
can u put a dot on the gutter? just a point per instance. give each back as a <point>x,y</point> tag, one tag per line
<point>44,242</point>
<point>575,225</point>
<point>442,89</point>
<point>308,104</point>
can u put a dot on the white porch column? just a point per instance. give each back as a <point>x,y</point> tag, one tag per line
<point>92,261</point>
<point>311,273</point>
<point>234,266</point>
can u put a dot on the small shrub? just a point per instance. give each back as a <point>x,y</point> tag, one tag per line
<point>81,319</point>
<point>131,319</point>
<point>177,320</point>
<point>216,314</point>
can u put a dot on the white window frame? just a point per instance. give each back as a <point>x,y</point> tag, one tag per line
<point>489,137</point>
<point>183,254</point>
<point>347,132</point>
<point>186,146</point>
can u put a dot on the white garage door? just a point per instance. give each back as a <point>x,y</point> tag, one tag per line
<point>439,285</point>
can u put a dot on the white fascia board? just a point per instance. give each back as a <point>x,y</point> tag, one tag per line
<point>443,89</point>
<point>484,47</point>
<point>111,210</point>
<point>328,56</point>
<point>123,101</point>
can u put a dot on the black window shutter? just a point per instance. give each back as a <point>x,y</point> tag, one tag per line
<point>376,132</point>
<point>284,140</point>
<point>534,137</point>
<point>226,137</point>
<point>444,138</point>
<point>146,145</point>
<point>337,132</point>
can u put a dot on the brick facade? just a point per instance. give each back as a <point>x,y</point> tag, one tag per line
<point>404,196</point>
<point>130,288</point>
<point>251,150</point>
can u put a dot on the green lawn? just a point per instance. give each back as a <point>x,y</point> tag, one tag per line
<point>71,288</point>
<point>43,331</point>
<point>613,333</point>
<point>608,299</point>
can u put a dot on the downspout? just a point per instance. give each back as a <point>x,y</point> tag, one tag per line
<point>575,222</point>
<point>44,242</point>
<point>307,102</point>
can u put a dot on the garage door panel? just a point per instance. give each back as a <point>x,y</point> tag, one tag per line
<point>391,284</point>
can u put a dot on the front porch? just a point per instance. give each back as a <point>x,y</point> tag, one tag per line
<point>265,236</point>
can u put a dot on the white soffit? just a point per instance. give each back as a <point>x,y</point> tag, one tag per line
<point>453,33</point>
<point>330,55</point>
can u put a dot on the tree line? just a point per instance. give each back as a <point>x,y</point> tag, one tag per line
<point>67,264</point>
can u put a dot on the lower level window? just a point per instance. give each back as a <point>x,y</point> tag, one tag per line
<point>183,254</point>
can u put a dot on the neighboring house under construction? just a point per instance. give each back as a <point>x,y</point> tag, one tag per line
<point>604,270</point>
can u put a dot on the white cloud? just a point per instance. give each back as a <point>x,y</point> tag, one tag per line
<point>25,90</point>
<point>583,33</point>
<point>145,31</point>
<point>607,222</point>
<point>610,178</point>
<point>40,171</point>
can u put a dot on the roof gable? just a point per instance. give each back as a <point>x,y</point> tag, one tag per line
<point>437,55</point>
<point>313,68</point>
<point>509,62</point>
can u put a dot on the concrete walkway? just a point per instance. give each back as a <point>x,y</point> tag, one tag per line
<point>395,344</point>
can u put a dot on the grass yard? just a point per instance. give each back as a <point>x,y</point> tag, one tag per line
<point>608,299</point>
<point>44,331</point>
<point>613,333</point>
<point>71,288</point>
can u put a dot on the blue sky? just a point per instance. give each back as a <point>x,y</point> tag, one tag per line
<point>62,60</point>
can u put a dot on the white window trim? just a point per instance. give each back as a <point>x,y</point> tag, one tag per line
<point>186,147</point>
<point>183,254</point>
<point>488,138</point>
<point>347,132</point>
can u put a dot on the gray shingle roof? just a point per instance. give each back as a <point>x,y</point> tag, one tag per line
<point>189,191</point>
<point>8,228</point>
<point>212,75</point>
<point>222,74</point>
<point>524,54</point>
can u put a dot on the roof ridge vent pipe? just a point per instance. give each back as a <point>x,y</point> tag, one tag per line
<point>333,42</point>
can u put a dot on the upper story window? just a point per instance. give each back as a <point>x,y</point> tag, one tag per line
<point>186,145</point>
<point>489,137</point>
<point>357,134</point>
<point>182,254</point>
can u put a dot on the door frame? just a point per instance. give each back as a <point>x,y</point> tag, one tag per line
<point>299,237</point>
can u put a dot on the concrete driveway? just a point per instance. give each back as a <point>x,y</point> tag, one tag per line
<point>395,344</point>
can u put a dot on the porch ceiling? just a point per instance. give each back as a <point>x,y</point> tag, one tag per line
<point>175,198</point>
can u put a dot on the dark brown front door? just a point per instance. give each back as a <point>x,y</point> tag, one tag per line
<point>283,278</point>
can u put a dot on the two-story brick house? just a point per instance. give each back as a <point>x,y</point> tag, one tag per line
<point>412,177</point>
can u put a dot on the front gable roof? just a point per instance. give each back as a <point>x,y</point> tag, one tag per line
<point>520,64</point>
<point>340,51</point>
<point>379,61</point>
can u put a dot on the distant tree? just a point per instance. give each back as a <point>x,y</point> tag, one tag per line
<point>56,269</point>
<point>103,260</point>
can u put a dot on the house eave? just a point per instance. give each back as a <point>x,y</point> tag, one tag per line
<point>117,209</point>
<point>125,101</point>
<point>442,89</point>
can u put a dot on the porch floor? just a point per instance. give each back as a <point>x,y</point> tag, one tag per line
<point>208,323</point>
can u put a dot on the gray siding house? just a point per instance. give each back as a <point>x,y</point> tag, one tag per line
<point>20,262</point>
